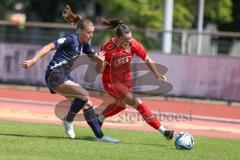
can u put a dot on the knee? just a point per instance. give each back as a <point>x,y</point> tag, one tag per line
<point>88,102</point>
<point>137,102</point>
<point>84,98</point>
<point>77,105</point>
<point>88,105</point>
<point>121,103</point>
<point>133,102</point>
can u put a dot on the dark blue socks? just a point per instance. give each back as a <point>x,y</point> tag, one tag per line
<point>92,121</point>
<point>77,105</point>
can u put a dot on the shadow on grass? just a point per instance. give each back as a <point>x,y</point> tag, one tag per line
<point>85,138</point>
<point>144,144</point>
<point>82,138</point>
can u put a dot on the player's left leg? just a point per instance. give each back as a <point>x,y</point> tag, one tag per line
<point>92,121</point>
<point>111,110</point>
<point>117,91</point>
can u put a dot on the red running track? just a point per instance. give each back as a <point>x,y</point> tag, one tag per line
<point>45,114</point>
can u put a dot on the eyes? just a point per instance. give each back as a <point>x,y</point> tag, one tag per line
<point>124,39</point>
<point>89,32</point>
<point>123,42</point>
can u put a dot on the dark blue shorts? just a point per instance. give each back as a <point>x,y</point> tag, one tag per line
<point>56,77</point>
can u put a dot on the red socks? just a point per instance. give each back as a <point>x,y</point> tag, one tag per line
<point>112,109</point>
<point>148,116</point>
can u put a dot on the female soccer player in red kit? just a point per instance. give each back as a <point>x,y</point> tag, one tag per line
<point>117,78</point>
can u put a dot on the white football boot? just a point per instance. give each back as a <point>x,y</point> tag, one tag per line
<point>68,126</point>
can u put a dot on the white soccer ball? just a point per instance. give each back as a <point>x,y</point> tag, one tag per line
<point>184,141</point>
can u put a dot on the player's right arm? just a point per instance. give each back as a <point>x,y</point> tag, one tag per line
<point>41,53</point>
<point>100,67</point>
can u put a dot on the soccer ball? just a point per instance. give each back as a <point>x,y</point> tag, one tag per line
<point>184,141</point>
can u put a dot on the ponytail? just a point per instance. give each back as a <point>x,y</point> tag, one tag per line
<point>121,28</point>
<point>110,23</point>
<point>74,19</point>
<point>70,17</point>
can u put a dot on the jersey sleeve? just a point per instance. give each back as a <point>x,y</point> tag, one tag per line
<point>62,42</point>
<point>139,50</point>
<point>88,50</point>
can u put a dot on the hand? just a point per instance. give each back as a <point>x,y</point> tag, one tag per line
<point>162,77</point>
<point>27,63</point>
<point>101,55</point>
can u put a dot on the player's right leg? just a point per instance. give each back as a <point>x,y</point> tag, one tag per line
<point>81,100</point>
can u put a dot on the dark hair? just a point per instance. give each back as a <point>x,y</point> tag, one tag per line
<point>121,28</point>
<point>74,19</point>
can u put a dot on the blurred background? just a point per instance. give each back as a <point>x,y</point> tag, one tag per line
<point>197,40</point>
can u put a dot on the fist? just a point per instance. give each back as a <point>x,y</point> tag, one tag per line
<point>27,64</point>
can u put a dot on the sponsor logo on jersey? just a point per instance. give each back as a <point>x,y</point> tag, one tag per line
<point>122,60</point>
<point>61,40</point>
<point>128,50</point>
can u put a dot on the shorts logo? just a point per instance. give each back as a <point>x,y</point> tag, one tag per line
<point>122,61</point>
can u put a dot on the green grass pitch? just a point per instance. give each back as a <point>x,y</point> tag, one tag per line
<point>25,141</point>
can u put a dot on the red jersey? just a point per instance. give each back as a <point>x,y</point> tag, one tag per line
<point>119,60</point>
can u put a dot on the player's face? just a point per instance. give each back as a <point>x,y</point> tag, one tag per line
<point>123,41</point>
<point>86,34</point>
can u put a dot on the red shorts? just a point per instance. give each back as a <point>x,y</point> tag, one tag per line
<point>117,90</point>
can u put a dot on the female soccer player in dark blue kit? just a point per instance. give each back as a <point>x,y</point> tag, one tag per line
<point>57,75</point>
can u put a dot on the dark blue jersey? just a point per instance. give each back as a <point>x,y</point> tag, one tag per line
<point>68,49</point>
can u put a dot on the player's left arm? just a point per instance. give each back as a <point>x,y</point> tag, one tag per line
<point>99,58</point>
<point>149,62</point>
